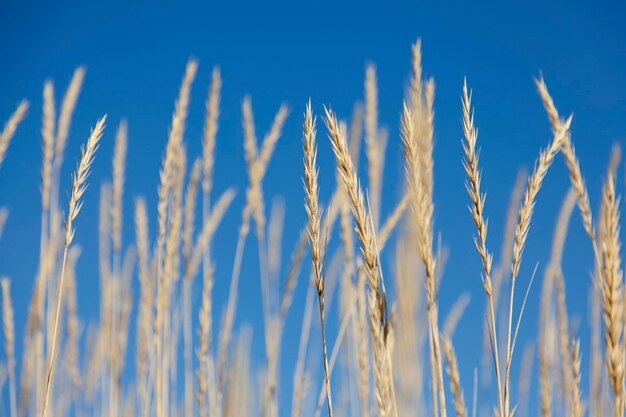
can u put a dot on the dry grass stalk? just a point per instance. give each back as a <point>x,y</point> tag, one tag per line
<point>9,341</point>
<point>191,269</point>
<point>117,194</point>
<point>169,235</point>
<point>205,374</point>
<point>417,135</point>
<point>10,126</point>
<point>254,206</point>
<point>79,185</point>
<point>47,244</point>
<point>535,181</point>
<point>224,374</point>
<point>612,291</point>
<point>188,228</point>
<point>477,211</point>
<point>317,242</point>
<point>377,298</point>
<point>417,170</point>
<point>409,333</point>
<point>119,338</point>
<point>546,157</point>
<point>422,95</point>
<point>458,399</point>
<point>578,183</point>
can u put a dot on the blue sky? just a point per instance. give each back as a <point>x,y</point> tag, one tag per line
<point>135,53</point>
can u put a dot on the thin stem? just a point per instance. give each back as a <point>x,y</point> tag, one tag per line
<point>55,332</point>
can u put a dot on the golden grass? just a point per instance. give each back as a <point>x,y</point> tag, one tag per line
<point>376,365</point>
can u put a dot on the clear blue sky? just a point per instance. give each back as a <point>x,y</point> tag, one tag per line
<point>135,53</point>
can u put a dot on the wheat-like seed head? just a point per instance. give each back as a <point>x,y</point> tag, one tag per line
<point>316,241</point>
<point>67,110</point>
<point>119,166</point>
<point>472,185</point>
<point>47,133</point>
<point>210,130</point>
<point>79,185</point>
<point>257,162</point>
<point>11,125</point>
<point>416,79</point>
<point>546,157</point>
<point>311,188</point>
<point>422,205</point>
<point>348,175</point>
<point>249,135</point>
<point>378,319</point>
<point>271,139</point>
<point>576,178</point>
<point>79,180</point>
<point>578,408</point>
<point>612,288</point>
